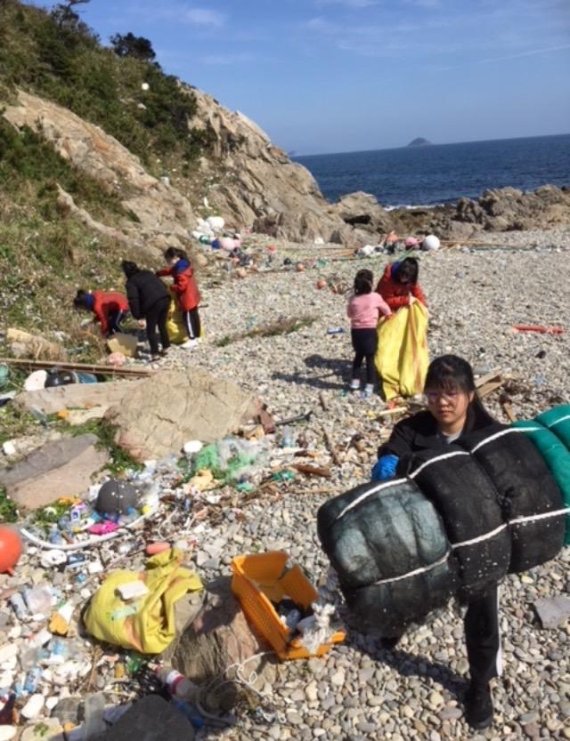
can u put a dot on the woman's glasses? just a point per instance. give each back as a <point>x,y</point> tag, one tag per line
<point>433,396</point>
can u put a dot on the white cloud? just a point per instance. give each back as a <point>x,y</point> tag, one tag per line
<point>204,17</point>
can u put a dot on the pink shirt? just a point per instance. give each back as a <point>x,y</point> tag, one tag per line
<point>365,310</point>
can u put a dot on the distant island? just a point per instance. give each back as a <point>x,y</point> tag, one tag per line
<point>419,142</point>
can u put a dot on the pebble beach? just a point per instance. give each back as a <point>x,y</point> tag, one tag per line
<point>476,295</point>
<point>360,690</point>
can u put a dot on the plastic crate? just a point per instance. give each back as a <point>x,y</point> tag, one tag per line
<point>261,578</point>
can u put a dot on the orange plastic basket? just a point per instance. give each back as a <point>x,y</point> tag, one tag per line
<point>261,578</point>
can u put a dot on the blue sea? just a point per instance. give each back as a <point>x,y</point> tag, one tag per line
<point>442,173</point>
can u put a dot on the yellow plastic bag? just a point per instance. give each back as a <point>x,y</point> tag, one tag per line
<point>145,624</point>
<point>174,325</point>
<point>402,357</point>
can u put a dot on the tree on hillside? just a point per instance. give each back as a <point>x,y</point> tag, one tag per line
<point>129,45</point>
<point>67,19</point>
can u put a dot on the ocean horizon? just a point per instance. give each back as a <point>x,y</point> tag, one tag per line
<point>433,174</point>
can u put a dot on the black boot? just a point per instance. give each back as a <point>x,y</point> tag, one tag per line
<point>478,706</point>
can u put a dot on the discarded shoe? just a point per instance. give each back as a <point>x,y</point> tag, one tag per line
<point>354,384</point>
<point>478,706</point>
<point>368,391</point>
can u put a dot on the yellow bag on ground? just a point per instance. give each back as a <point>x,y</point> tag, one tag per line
<point>145,624</point>
<point>174,325</point>
<point>402,357</point>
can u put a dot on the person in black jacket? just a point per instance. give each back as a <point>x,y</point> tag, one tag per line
<point>453,411</point>
<point>149,300</point>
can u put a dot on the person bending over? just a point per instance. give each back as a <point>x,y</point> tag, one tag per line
<point>148,301</point>
<point>399,285</point>
<point>110,308</point>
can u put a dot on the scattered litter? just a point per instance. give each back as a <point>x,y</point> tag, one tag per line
<point>541,329</point>
<point>261,582</point>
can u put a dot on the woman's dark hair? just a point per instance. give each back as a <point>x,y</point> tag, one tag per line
<point>363,281</point>
<point>172,252</point>
<point>129,268</point>
<point>408,270</point>
<point>450,373</point>
<point>81,299</point>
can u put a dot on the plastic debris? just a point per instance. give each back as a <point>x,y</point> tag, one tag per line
<point>10,548</point>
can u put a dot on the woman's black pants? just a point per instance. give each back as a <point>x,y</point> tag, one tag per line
<point>482,637</point>
<point>364,342</point>
<point>156,317</point>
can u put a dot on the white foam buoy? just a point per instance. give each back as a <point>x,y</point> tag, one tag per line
<point>431,242</point>
<point>216,222</point>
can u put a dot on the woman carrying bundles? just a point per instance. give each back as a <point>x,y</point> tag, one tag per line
<point>453,411</point>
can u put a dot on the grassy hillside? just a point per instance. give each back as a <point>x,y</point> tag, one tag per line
<point>53,54</point>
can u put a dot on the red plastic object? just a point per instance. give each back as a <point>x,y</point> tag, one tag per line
<point>153,548</point>
<point>538,328</point>
<point>10,548</point>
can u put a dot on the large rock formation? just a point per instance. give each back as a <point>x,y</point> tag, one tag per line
<point>163,215</point>
<point>252,183</point>
<point>258,185</point>
<point>511,209</point>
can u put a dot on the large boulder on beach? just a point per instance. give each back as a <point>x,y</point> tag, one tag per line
<point>158,415</point>
<point>362,210</point>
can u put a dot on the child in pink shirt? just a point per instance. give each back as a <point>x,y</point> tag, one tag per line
<point>364,310</point>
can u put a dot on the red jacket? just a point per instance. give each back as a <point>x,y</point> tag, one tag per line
<point>397,294</point>
<point>108,303</point>
<point>184,286</point>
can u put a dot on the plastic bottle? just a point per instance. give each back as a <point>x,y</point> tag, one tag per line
<point>19,606</point>
<point>32,680</point>
<point>189,712</point>
<point>179,686</point>
<point>94,709</point>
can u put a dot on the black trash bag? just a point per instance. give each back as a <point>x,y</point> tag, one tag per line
<point>388,546</point>
<point>467,501</point>
<point>57,377</point>
<point>526,492</point>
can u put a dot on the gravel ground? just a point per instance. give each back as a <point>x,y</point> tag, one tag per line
<point>475,297</point>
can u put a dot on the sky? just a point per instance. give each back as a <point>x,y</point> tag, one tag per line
<point>325,76</point>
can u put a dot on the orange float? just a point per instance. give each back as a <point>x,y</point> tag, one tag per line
<point>10,548</point>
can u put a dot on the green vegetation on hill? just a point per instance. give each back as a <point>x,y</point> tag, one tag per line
<point>44,258</point>
<point>55,55</point>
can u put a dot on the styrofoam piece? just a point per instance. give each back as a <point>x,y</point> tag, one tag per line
<point>132,590</point>
<point>33,707</point>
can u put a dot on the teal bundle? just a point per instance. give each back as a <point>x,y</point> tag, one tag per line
<point>550,432</point>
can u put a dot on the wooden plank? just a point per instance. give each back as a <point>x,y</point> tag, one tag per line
<point>489,387</point>
<point>108,370</point>
<point>491,376</point>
